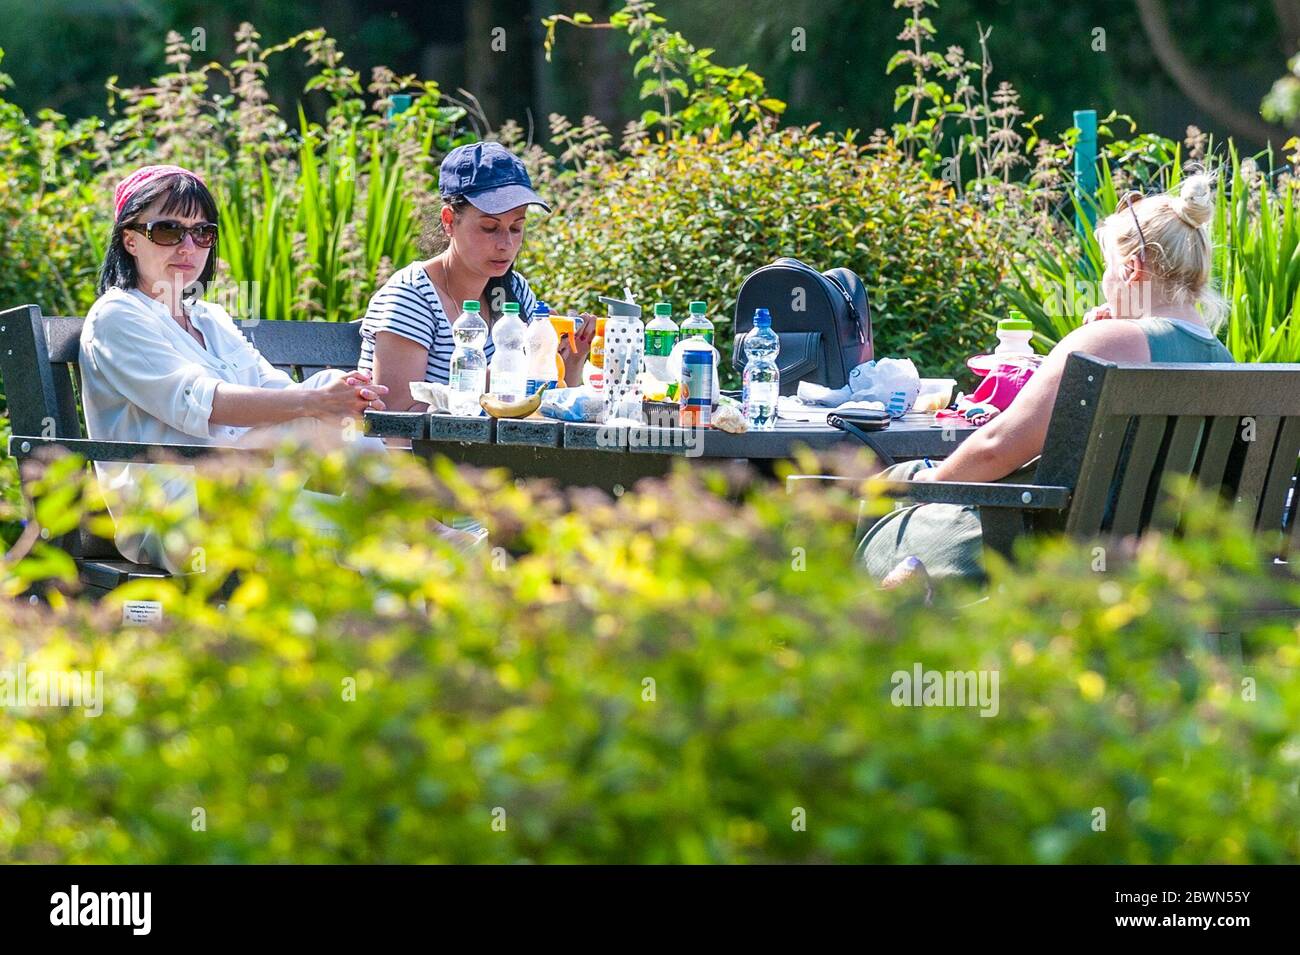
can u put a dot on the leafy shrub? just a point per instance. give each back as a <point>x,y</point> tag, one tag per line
<point>313,217</point>
<point>48,204</point>
<point>635,681</point>
<point>689,218</point>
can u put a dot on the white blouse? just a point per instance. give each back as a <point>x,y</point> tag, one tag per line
<point>144,378</point>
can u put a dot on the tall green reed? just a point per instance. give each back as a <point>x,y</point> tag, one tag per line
<point>1256,239</point>
<point>312,240</point>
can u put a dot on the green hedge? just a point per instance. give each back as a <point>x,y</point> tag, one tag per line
<point>512,687</point>
<point>690,218</point>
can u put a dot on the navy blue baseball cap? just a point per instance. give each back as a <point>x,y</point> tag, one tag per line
<point>490,176</point>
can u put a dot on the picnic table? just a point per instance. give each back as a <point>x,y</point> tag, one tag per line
<point>614,458</point>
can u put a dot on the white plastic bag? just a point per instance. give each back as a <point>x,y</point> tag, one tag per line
<point>894,382</point>
<point>580,403</point>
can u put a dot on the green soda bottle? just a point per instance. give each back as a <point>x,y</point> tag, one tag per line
<point>698,324</point>
<point>660,337</point>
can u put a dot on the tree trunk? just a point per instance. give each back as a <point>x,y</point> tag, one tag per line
<point>1196,86</point>
<point>1288,24</point>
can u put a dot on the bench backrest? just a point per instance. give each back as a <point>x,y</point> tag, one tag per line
<point>1117,431</point>
<point>39,357</point>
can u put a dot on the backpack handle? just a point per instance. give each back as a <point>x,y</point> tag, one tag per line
<point>839,287</point>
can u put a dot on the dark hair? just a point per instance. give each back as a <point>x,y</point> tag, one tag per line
<point>434,241</point>
<point>186,196</point>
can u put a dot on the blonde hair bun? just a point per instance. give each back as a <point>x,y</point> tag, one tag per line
<point>1195,202</point>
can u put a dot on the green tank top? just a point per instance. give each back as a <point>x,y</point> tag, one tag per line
<point>1174,341</point>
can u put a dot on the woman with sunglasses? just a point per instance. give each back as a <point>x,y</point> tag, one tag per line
<point>1162,308</point>
<point>160,366</point>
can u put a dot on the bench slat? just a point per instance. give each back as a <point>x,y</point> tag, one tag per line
<point>29,387</point>
<point>1135,488</point>
<point>1180,461</point>
<point>63,338</point>
<point>26,446</point>
<point>314,345</point>
<point>1219,439</point>
<point>1202,388</point>
<point>284,343</point>
<point>1254,468</point>
<point>1024,497</point>
<point>1281,472</point>
<point>1096,475</point>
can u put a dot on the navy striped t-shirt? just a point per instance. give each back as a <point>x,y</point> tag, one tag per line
<point>409,305</point>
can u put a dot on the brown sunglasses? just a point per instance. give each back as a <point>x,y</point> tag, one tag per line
<point>1128,201</point>
<point>169,232</point>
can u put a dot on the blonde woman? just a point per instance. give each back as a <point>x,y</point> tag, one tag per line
<point>1161,307</point>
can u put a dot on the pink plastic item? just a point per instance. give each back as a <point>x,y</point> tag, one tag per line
<point>1001,384</point>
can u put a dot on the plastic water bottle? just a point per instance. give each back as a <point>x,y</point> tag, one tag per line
<point>543,344</point>
<point>468,378</point>
<point>697,323</point>
<point>660,337</point>
<point>510,359</point>
<point>762,380</point>
<point>1014,335</point>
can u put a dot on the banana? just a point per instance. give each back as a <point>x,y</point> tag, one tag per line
<point>520,408</point>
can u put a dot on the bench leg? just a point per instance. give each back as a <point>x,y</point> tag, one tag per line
<point>1001,527</point>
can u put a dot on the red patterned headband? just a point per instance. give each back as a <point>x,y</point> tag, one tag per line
<point>132,183</point>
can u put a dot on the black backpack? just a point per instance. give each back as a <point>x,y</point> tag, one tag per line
<point>822,341</point>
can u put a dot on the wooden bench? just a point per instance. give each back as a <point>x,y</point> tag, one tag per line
<point>39,356</point>
<point>1118,431</point>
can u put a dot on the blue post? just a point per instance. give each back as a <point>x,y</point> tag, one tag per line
<point>1085,166</point>
<point>398,103</point>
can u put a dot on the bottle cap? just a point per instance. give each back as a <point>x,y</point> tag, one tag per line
<point>542,309</point>
<point>1014,324</point>
<point>663,308</point>
<point>762,318</point>
<point>618,306</point>
<point>470,306</point>
<point>510,308</point>
<point>699,308</point>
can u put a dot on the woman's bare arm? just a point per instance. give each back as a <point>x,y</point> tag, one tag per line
<point>1016,436</point>
<point>248,406</point>
<point>398,362</point>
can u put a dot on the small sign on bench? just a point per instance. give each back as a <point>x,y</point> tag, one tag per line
<point>142,611</point>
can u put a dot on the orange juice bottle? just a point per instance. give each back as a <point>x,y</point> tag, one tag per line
<point>593,372</point>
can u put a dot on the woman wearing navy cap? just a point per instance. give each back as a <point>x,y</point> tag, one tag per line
<point>406,332</point>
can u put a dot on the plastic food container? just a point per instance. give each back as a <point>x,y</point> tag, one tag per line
<point>935,395</point>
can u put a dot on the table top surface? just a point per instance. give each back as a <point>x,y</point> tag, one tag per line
<point>913,435</point>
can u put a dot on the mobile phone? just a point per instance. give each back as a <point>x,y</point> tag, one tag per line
<point>864,418</point>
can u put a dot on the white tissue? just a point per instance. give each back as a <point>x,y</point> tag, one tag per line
<point>437,396</point>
